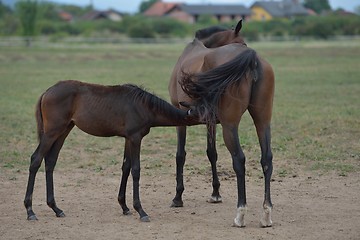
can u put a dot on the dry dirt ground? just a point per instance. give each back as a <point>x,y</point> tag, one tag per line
<point>307,206</point>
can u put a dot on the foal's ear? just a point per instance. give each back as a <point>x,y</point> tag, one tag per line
<point>238,27</point>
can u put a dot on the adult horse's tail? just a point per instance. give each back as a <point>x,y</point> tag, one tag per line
<point>206,88</point>
<point>39,119</point>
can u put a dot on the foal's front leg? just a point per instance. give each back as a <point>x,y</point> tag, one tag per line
<point>131,163</point>
<point>135,172</point>
<point>124,178</point>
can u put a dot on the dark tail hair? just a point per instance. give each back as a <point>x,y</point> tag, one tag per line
<point>39,119</point>
<point>206,88</point>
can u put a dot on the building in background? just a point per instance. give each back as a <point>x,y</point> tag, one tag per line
<point>190,13</point>
<point>267,10</point>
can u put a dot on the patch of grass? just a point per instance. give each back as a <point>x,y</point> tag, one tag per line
<point>316,115</point>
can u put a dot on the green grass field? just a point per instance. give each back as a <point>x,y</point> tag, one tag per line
<point>316,117</point>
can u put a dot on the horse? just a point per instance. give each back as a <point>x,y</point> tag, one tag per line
<point>220,75</point>
<point>123,110</point>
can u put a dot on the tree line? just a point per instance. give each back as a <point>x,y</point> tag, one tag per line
<point>32,18</point>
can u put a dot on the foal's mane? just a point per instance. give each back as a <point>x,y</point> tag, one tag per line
<point>153,102</point>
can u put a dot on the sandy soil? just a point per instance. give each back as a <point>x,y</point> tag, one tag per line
<point>305,207</point>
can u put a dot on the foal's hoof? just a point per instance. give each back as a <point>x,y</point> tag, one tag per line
<point>60,214</point>
<point>215,199</point>
<point>127,212</point>
<point>145,219</point>
<point>32,218</point>
<point>177,204</point>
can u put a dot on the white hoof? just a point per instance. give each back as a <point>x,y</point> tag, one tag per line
<point>265,220</point>
<point>213,199</point>
<point>239,221</point>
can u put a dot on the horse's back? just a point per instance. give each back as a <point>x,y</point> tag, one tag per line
<point>97,110</point>
<point>191,60</point>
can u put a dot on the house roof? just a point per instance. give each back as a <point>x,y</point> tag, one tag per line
<point>215,9</point>
<point>283,8</point>
<point>160,8</point>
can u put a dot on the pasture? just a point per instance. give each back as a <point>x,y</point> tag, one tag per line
<point>315,140</point>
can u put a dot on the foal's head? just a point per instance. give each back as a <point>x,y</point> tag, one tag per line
<point>213,37</point>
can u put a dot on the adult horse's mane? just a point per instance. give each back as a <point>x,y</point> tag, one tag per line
<point>207,32</point>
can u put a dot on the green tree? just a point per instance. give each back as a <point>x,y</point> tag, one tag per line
<point>4,10</point>
<point>145,5</point>
<point>317,5</point>
<point>27,11</point>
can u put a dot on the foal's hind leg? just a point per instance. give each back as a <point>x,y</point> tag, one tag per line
<point>212,156</point>
<point>35,163</point>
<point>50,162</point>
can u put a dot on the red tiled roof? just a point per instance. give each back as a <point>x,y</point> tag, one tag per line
<point>159,8</point>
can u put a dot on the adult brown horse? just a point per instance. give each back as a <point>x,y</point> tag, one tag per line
<point>124,110</point>
<point>224,78</point>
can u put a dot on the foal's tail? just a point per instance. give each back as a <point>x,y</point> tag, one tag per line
<point>39,119</point>
<point>206,88</point>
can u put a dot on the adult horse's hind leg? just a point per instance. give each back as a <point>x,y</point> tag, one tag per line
<point>232,143</point>
<point>180,161</point>
<point>212,156</point>
<point>264,135</point>
<point>50,162</point>
<point>260,109</point>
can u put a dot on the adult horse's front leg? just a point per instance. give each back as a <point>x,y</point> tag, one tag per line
<point>232,143</point>
<point>212,156</point>
<point>180,161</point>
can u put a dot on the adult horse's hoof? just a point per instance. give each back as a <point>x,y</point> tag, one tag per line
<point>215,199</point>
<point>32,218</point>
<point>239,225</point>
<point>265,221</point>
<point>239,221</point>
<point>177,204</point>
<point>145,219</point>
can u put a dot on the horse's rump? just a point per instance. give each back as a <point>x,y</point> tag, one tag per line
<point>206,88</point>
